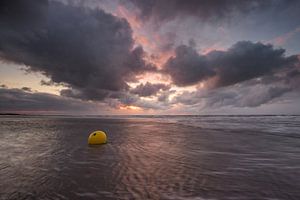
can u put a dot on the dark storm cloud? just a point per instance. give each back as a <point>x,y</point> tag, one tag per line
<point>206,10</point>
<point>251,93</point>
<point>188,67</point>
<point>149,89</point>
<point>243,61</point>
<point>247,60</point>
<point>89,50</point>
<point>22,100</point>
<point>18,13</point>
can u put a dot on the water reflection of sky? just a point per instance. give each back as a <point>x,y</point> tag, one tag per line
<point>28,156</point>
<point>144,159</point>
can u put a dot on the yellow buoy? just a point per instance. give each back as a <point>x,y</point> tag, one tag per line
<point>97,137</point>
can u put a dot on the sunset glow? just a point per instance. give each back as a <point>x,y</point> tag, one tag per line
<point>159,57</point>
<point>135,108</point>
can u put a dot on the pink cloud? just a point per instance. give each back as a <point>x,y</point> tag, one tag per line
<point>281,40</point>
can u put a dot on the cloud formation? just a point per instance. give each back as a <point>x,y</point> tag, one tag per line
<point>89,50</point>
<point>243,61</point>
<point>149,89</point>
<point>188,67</point>
<point>23,100</point>
<point>94,54</point>
<point>251,93</point>
<point>205,10</point>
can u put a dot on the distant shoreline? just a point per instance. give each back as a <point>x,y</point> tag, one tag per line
<point>73,115</point>
<point>11,114</point>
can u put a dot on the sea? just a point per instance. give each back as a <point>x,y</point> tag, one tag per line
<point>150,157</point>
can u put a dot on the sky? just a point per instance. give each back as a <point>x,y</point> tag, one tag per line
<point>111,57</point>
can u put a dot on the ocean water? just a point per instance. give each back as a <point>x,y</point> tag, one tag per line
<point>150,157</point>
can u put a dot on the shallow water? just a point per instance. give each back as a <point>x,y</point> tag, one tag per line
<point>178,157</point>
